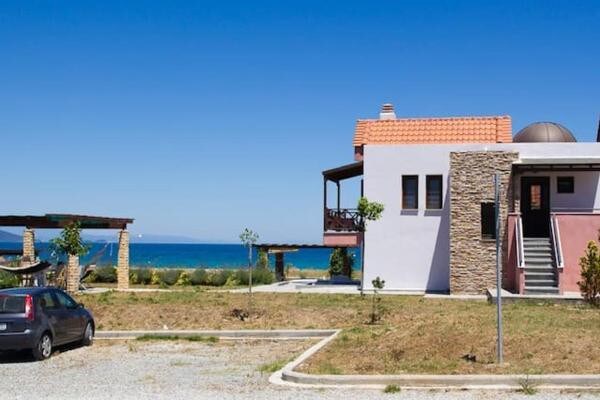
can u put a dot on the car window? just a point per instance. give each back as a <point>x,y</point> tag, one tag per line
<point>48,302</point>
<point>65,300</point>
<point>12,304</point>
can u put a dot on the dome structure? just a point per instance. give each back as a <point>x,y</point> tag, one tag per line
<point>544,132</point>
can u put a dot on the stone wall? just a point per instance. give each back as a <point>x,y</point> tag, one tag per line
<point>73,274</point>
<point>472,258</point>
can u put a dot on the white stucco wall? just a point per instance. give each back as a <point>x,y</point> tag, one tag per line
<point>410,249</point>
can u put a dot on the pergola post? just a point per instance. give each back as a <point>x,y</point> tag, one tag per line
<point>28,245</point>
<point>123,260</point>
<point>73,275</point>
<point>279,267</point>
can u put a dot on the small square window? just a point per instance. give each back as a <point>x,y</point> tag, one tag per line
<point>433,195</point>
<point>410,192</point>
<point>565,184</point>
<point>488,220</point>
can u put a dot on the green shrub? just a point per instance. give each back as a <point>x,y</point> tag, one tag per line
<point>169,276</point>
<point>219,278</point>
<point>141,276</point>
<point>199,277</point>
<point>341,263</point>
<point>590,274</point>
<point>263,275</point>
<point>263,259</point>
<point>8,280</point>
<point>243,277</point>
<point>184,279</point>
<point>106,274</point>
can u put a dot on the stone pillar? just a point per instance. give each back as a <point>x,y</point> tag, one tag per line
<point>279,267</point>
<point>28,246</point>
<point>123,260</point>
<point>73,274</point>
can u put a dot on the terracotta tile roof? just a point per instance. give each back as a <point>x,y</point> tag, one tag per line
<point>496,129</point>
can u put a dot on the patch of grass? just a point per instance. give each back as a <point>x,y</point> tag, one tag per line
<point>392,389</point>
<point>327,368</point>
<point>194,338</point>
<point>273,366</point>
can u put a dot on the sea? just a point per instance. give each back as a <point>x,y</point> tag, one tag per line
<point>163,255</point>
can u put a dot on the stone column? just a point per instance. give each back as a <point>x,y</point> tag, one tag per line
<point>123,260</point>
<point>73,274</point>
<point>28,246</point>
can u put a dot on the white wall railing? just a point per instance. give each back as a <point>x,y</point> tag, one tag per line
<point>556,244</point>
<point>520,246</point>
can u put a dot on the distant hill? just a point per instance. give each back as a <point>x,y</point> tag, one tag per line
<point>9,237</point>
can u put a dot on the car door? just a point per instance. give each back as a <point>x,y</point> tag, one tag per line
<point>55,315</point>
<point>74,319</point>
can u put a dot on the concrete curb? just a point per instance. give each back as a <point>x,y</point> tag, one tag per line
<point>279,334</point>
<point>287,376</point>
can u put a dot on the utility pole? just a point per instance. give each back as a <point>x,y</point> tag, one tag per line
<point>498,271</point>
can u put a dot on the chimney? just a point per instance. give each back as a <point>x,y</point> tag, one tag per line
<point>387,112</point>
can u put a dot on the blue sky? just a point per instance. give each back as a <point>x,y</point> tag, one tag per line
<point>201,118</point>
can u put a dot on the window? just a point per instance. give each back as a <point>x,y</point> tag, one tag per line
<point>488,220</point>
<point>410,192</point>
<point>565,184</point>
<point>433,196</point>
<point>48,302</point>
<point>66,301</point>
<point>535,197</point>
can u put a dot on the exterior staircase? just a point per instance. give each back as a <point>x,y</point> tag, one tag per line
<point>540,271</point>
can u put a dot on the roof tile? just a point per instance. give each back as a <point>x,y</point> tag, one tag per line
<point>495,129</point>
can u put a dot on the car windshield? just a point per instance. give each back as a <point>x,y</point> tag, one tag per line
<point>12,304</point>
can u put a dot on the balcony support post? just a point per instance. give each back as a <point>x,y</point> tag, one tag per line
<point>338,195</point>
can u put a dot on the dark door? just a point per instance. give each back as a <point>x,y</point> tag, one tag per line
<point>56,316</point>
<point>73,316</point>
<point>535,206</point>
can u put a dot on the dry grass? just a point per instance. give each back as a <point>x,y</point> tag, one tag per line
<point>417,335</point>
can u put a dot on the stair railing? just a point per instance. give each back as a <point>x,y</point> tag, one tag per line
<point>556,244</point>
<point>520,246</point>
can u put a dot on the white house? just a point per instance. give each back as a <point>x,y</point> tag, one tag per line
<point>435,179</point>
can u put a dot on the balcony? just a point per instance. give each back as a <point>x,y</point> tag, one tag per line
<point>342,220</point>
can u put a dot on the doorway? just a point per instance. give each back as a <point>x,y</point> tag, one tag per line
<point>535,206</point>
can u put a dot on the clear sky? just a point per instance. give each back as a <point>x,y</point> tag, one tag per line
<point>201,118</point>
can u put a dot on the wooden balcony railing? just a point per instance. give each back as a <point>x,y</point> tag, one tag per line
<point>342,220</point>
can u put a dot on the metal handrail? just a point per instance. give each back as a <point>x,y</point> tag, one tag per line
<point>555,230</point>
<point>520,245</point>
<point>343,219</point>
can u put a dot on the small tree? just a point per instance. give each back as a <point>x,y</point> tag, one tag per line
<point>367,211</point>
<point>249,239</point>
<point>340,262</point>
<point>262,259</point>
<point>376,309</point>
<point>69,241</point>
<point>590,274</point>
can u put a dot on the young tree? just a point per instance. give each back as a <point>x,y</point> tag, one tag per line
<point>590,274</point>
<point>376,310</point>
<point>367,211</point>
<point>249,239</point>
<point>69,243</point>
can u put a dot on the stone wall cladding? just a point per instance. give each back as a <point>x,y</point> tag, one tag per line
<point>123,261</point>
<point>473,259</point>
<point>28,245</point>
<point>73,274</point>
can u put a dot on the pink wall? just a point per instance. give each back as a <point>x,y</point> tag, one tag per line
<point>511,273</point>
<point>349,239</point>
<point>576,230</point>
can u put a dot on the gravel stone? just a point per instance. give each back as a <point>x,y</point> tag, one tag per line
<point>118,370</point>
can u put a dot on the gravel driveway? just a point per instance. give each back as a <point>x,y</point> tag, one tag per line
<point>186,370</point>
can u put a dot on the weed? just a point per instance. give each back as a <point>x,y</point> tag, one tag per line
<point>527,387</point>
<point>392,389</point>
<point>273,366</point>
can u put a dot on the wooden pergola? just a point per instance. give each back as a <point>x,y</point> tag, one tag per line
<point>279,249</point>
<point>60,221</point>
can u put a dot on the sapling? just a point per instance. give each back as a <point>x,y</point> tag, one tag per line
<point>376,310</point>
<point>249,239</point>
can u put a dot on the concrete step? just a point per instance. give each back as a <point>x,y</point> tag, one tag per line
<point>540,282</point>
<point>538,250</point>
<point>545,270</point>
<point>541,290</point>
<point>536,240</point>
<point>539,261</point>
<point>537,274</point>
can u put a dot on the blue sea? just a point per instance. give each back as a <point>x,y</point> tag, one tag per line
<point>158,255</point>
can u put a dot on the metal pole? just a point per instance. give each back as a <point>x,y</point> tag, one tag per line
<point>498,269</point>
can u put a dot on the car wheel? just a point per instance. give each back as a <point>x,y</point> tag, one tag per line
<point>43,349</point>
<point>88,335</point>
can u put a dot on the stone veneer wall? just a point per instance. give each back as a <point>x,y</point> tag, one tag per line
<point>123,261</point>
<point>473,259</point>
<point>28,245</point>
<point>73,275</point>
